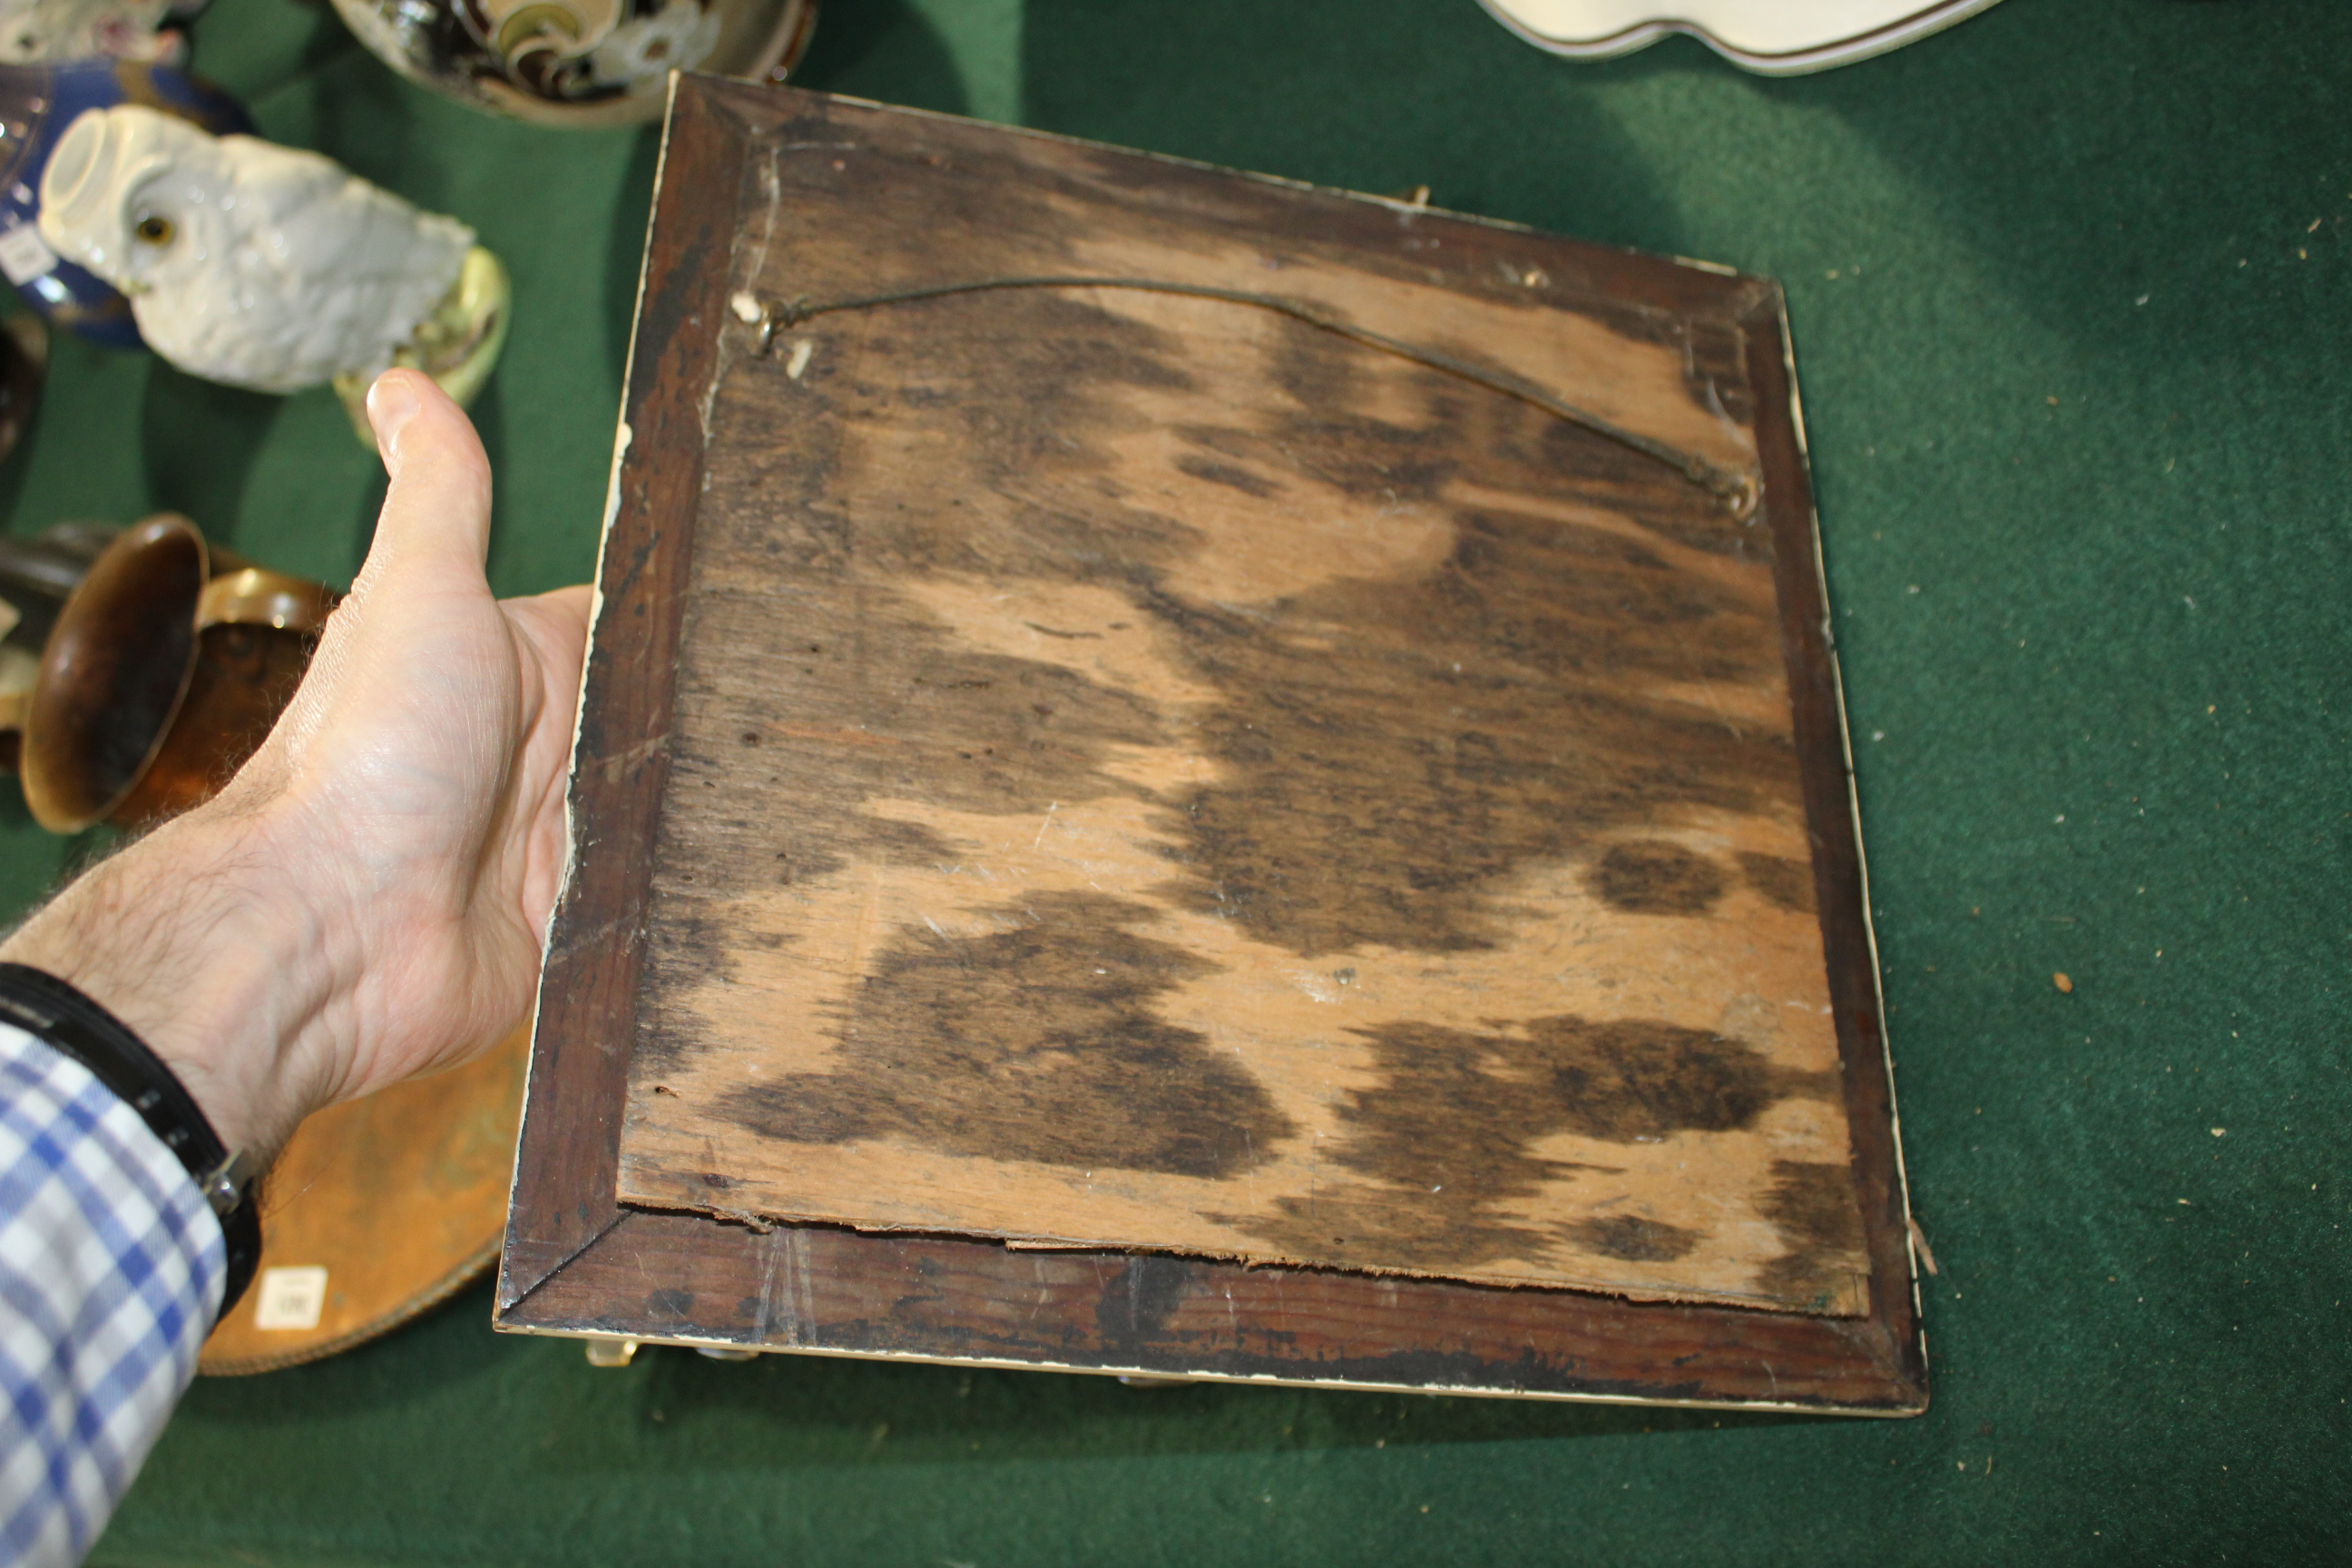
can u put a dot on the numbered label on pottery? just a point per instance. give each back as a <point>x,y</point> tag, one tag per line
<point>290,1298</point>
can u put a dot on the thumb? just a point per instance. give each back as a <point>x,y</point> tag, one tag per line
<point>434,532</point>
<point>422,595</point>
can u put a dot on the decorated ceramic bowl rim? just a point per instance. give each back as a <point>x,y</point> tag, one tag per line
<point>1907,28</point>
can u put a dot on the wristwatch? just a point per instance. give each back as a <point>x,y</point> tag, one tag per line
<point>70,1023</point>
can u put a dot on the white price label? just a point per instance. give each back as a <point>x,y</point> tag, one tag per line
<point>290,1298</point>
<point>25,255</point>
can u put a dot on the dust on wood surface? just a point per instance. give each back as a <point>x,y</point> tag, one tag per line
<point>1146,772</point>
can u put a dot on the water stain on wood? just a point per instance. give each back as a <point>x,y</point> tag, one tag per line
<point>1635,1240</point>
<point>1448,1138</point>
<point>1653,877</point>
<point>1376,787</point>
<point>1787,883</point>
<point>1076,687</point>
<point>892,709</point>
<point>1812,1205</point>
<point>1037,1044</point>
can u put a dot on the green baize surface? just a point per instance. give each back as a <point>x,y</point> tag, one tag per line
<point>2069,287</point>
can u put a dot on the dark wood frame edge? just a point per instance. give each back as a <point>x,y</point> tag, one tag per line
<point>568,1257</point>
<point>560,1124</point>
<point>1833,810</point>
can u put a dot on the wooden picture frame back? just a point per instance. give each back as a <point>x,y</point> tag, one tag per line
<point>577,1263</point>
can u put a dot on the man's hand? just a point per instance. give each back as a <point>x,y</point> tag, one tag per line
<point>365,901</point>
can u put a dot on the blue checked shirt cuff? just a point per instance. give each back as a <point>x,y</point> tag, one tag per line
<point>111,1273</point>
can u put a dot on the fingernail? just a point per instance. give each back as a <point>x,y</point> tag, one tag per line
<point>390,405</point>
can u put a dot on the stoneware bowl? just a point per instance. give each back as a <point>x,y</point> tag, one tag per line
<point>578,62</point>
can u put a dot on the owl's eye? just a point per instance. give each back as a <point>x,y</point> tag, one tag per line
<point>154,229</point>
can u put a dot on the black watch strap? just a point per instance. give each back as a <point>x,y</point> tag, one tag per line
<point>40,1003</point>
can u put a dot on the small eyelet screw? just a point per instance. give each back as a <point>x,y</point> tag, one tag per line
<point>759,315</point>
<point>1744,498</point>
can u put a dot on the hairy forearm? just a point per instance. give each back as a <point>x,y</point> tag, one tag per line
<point>202,939</point>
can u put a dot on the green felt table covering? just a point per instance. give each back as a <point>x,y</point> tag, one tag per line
<point>2071,298</point>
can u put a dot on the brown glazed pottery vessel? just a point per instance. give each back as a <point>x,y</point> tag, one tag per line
<point>163,671</point>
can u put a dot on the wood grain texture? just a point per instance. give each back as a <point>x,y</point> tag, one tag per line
<point>824,1290</point>
<point>1148,772</point>
<point>1066,773</point>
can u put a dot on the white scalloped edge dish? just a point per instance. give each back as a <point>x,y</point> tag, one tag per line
<point>1774,37</point>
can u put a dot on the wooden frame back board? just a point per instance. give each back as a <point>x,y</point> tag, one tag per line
<point>784,1089</point>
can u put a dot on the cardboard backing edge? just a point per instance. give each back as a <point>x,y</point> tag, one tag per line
<point>576,1264</point>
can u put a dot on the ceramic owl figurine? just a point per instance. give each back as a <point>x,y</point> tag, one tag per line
<point>264,266</point>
